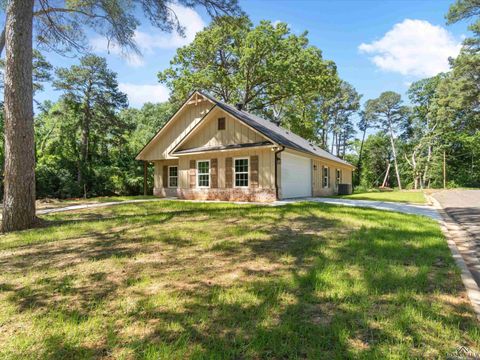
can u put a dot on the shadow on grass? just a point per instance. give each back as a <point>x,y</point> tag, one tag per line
<point>308,285</point>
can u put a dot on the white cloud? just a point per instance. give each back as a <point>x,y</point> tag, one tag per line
<point>139,94</point>
<point>149,41</point>
<point>413,47</point>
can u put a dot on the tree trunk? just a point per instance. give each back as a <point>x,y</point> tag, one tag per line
<point>426,181</point>
<point>19,183</point>
<point>85,145</point>
<point>359,164</point>
<point>394,154</point>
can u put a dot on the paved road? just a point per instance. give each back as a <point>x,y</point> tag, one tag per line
<point>464,207</point>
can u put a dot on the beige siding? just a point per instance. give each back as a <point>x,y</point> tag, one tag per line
<point>266,166</point>
<point>317,184</point>
<point>158,173</point>
<point>175,131</point>
<point>207,133</point>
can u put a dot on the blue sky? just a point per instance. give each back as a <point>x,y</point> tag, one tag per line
<point>377,45</point>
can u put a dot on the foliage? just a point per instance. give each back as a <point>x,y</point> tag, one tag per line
<point>377,155</point>
<point>86,143</point>
<point>112,165</point>
<point>61,26</point>
<point>391,116</point>
<point>91,93</point>
<point>463,10</point>
<point>266,68</point>
<point>42,71</point>
<point>337,114</point>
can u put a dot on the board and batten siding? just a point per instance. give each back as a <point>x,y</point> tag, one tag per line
<point>176,130</point>
<point>208,135</point>
<point>158,173</point>
<point>266,166</point>
<point>317,176</point>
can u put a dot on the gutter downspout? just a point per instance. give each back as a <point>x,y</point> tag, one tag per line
<point>276,170</point>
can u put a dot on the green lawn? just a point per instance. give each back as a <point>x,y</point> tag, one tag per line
<point>405,196</point>
<point>177,280</point>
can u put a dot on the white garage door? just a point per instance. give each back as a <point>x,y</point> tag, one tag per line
<point>296,176</point>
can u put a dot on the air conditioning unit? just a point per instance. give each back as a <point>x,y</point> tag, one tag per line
<point>344,189</point>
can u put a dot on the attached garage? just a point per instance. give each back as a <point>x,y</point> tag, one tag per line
<point>296,176</point>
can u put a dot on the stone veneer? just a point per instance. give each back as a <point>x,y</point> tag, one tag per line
<point>235,194</point>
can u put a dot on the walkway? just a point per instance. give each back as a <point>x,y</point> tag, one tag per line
<point>93,205</point>
<point>414,209</point>
<point>424,210</point>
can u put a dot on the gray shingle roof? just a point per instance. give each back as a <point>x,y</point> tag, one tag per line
<point>274,132</point>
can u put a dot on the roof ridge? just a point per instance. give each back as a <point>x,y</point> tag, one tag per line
<point>279,134</point>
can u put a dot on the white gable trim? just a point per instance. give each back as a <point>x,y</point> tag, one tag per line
<point>199,125</point>
<point>170,121</point>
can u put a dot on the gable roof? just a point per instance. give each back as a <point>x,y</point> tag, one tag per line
<point>274,132</point>
<point>169,121</point>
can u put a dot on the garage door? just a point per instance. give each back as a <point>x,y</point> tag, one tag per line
<point>296,176</point>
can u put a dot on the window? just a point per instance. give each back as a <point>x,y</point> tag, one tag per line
<point>203,173</point>
<point>325,176</point>
<point>172,176</point>
<point>241,172</point>
<point>338,177</point>
<point>221,123</point>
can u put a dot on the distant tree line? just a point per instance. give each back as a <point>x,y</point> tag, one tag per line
<point>86,142</point>
<point>437,137</point>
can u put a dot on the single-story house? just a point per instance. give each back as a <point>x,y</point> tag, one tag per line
<point>210,150</point>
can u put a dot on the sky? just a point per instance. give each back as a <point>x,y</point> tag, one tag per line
<point>377,45</point>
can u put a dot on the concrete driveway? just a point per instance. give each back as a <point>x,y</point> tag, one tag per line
<point>425,210</point>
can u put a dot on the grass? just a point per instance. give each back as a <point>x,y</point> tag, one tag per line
<point>56,203</point>
<point>176,280</point>
<point>405,196</point>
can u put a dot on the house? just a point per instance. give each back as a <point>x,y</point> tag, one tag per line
<point>210,150</point>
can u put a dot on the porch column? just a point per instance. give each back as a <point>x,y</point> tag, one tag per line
<point>145,171</point>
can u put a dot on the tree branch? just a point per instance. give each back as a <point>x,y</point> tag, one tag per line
<point>46,11</point>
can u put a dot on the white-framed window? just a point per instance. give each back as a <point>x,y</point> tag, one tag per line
<point>203,173</point>
<point>338,177</point>
<point>326,177</point>
<point>173,176</point>
<point>241,169</point>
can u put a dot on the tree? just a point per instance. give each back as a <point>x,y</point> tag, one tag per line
<point>265,67</point>
<point>92,89</point>
<point>19,168</point>
<point>59,27</point>
<point>424,129</point>
<point>337,111</point>
<point>112,167</point>
<point>367,120</point>
<point>463,10</point>
<point>390,115</point>
<point>41,71</point>
<point>377,153</point>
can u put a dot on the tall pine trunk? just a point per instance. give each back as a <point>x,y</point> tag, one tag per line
<point>359,164</point>
<point>394,153</point>
<point>19,171</point>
